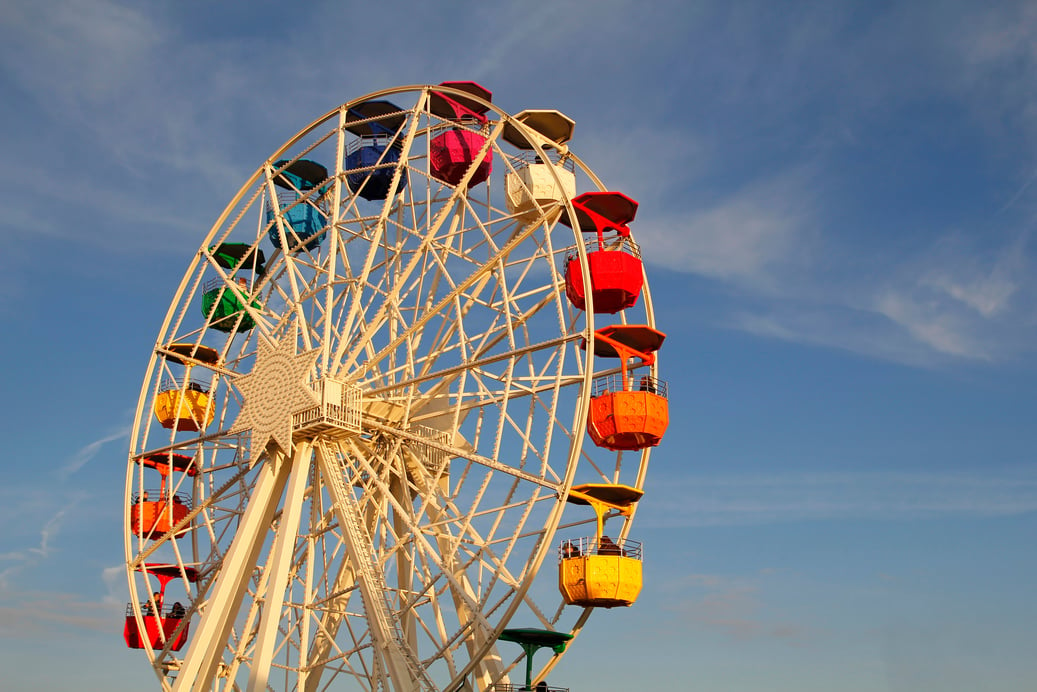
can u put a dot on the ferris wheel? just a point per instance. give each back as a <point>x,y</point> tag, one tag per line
<point>379,407</point>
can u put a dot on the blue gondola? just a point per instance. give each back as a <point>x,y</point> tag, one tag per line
<point>375,155</point>
<point>306,220</point>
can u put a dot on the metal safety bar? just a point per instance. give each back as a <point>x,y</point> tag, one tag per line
<point>608,384</point>
<point>591,545</point>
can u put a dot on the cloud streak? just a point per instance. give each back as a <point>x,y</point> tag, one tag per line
<point>744,237</point>
<point>87,452</point>
<point>819,248</point>
<point>732,607</point>
<point>736,500</point>
<point>27,613</point>
<point>956,300</point>
<point>31,556</point>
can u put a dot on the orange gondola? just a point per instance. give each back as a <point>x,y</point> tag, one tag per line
<point>626,412</point>
<point>155,512</point>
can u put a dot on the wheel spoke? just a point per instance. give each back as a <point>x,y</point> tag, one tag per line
<point>237,567</point>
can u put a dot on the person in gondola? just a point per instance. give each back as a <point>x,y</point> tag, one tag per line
<point>648,385</point>
<point>177,611</point>
<point>607,547</point>
<point>570,549</point>
<point>541,686</point>
<point>156,598</point>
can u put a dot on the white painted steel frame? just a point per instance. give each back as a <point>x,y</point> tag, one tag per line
<point>449,313</point>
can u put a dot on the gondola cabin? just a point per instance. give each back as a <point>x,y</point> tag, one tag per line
<point>532,640</point>
<point>371,159</point>
<point>223,305</point>
<point>153,518</point>
<point>154,512</point>
<point>542,178</point>
<point>452,153</point>
<point>600,575</point>
<point>597,571</point>
<point>160,625</point>
<point>186,404</point>
<point>628,412</point>
<point>186,407</point>
<point>613,258</point>
<point>299,202</point>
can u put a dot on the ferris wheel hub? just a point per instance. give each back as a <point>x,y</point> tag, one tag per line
<point>276,388</point>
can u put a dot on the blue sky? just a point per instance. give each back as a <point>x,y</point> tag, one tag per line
<point>837,204</point>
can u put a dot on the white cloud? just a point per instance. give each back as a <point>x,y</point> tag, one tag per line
<point>795,269</point>
<point>997,60</point>
<point>927,323</point>
<point>763,499</point>
<point>746,237</point>
<point>33,555</point>
<point>29,613</point>
<point>47,507</point>
<point>114,579</point>
<point>864,332</point>
<point>83,49</point>
<point>984,284</point>
<point>84,454</point>
<point>731,606</point>
<point>963,297</point>
<point>957,298</point>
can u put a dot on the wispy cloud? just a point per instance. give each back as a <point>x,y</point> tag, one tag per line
<point>941,330</point>
<point>765,499</point>
<point>33,555</point>
<point>998,67</point>
<point>860,331</point>
<point>963,297</point>
<point>804,248</point>
<point>114,579</point>
<point>745,237</point>
<point>732,606</point>
<point>50,507</point>
<point>87,452</point>
<point>27,613</point>
<point>956,299</point>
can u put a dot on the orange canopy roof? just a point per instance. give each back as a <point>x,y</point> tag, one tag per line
<point>637,337</point>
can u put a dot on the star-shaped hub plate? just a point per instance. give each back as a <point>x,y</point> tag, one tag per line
<point>277,387</point>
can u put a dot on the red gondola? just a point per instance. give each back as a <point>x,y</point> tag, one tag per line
<point>613,258</point>
<point>162,626</point>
